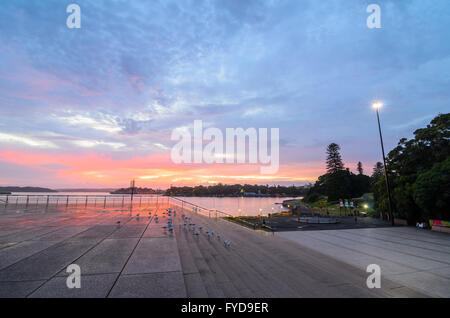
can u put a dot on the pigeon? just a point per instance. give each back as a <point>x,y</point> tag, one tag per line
<point>118,222</point>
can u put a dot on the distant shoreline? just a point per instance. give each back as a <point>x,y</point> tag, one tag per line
<point>25,189</point>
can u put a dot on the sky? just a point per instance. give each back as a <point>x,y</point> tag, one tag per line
<point>96,106</point>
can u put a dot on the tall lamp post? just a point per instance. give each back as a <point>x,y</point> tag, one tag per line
<point>377,106</point>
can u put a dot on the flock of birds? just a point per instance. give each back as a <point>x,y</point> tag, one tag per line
<point>187,223</point>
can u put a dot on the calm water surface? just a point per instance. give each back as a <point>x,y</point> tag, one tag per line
<point>234,206</point>
<point>240,206</point>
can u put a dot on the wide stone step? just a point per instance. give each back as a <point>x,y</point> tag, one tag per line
<point>195,287</point>
<point>238,273</point>
<point>249,282</point>
<point>204,270</point>
<point>282,269</point>
<point>264,275</point>
<point>314,277</point>
<point>222,279</point>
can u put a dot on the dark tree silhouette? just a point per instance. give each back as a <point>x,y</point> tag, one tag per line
<point>334,160</point>
<point>359,168</point>
<point>378,170</point>
<point>419,170</point>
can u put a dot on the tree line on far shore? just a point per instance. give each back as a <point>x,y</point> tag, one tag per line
<point>419,172</point>
<point>235,190</point>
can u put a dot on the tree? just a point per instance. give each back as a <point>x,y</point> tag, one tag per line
<point>431,191</point>
<point>338,183</point>
<point>418,169</point>
<point>378,171</point>
<point>334,161</point>
<point>359,168</point>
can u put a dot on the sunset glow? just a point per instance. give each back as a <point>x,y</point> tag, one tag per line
<point>96,106</point>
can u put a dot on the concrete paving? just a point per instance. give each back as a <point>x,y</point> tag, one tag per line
<point>418,259</point>
<point>122,254</point>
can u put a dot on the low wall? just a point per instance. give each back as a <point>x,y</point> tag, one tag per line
<point>400,222</point>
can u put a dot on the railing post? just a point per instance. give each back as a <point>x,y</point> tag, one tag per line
<point>57,200</point>
<point>85,204</point>
<point>67,202</point>
<point>6,202</point>
<point>28,200</point>
<point>48,197</point>
<point>104,203</point>
<point>123,198</point>
<point>140,201</point>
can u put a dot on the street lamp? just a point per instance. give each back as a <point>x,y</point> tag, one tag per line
<point>377,105</point>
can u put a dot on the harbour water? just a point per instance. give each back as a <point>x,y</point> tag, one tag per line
<point>237,206</point>
<point>243,206</point>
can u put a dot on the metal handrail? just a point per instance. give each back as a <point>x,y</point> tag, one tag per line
<point>77,199</point>
<point>224,214</point>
